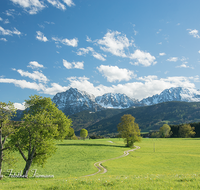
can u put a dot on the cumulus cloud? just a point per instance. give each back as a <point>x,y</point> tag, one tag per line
<point>182,66</point>
<point>35,65</point>
<point>69,2</point>
<point>23,84</point>
<point>194,33</point>
<point>40,36</point>
<point>144,58</point>
<point>9,32</point>
<point>84,51</point>
<point>36,75</point>
<point>31,6</point>
<point>73,42</point>
<point>162,54</point>
<point>3,39</point>
<point>57,4</point>
<point>114,43</point>
<point>34,6</point>
<point>73,65</point>
<point>20,106</point>
<point>173,59</point>
<point>114,73</point>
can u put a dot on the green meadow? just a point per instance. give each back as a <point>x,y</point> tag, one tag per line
<point>158,164</point>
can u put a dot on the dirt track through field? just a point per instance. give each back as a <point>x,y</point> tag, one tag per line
<point>103,170</point>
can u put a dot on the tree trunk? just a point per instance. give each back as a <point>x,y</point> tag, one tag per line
<point>27,167</point>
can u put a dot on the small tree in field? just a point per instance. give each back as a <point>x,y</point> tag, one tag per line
<point>129,130</point>
<point>165,131</point>
<point>186,131</point>
<point>7,111</point>
<point>83,133</point>
<point>41,124</point>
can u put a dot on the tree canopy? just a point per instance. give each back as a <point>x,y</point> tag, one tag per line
<point>42,123</point>
<point>83,133</point>
<point>129,130</point>
<point>165,131</point>
<point>186,131</point>
<point>7,111</point>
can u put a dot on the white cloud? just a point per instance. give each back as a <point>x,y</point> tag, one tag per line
<point>69,2</point>
<point>9,32</point>
<point>84,51</point>
<point>6,21</point>
<point>3,39</point>
<point>35,65</point>
<point>20,106</point>
<point>55,88</point>
<point>67,64</point>
<point>40,36</point>
<point>114,43</point>
<point>162,54</point>
<point>159,31</point>
<point>194,33</point>
<point>144,58</point>
<point>23,84</point>
<point>36,75</point>
<point>57,4</point>
<point>73,42</point>
<point>31,6</point>
<point>199,51</point>
<point>73,65</point>
<point>114,73</point>
<point>1,19</point>
<point>173,59</point>
<point>183,66</point>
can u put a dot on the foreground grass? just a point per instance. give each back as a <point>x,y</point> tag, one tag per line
<point>173,165</point>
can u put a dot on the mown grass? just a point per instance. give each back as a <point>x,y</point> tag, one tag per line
<point>173,165</point>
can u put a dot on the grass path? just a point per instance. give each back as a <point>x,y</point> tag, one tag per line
<point>102,169</point>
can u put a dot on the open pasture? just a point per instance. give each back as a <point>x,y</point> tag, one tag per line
<point>158,164</point>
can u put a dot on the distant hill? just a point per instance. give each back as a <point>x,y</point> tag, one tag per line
<point>148,117</point>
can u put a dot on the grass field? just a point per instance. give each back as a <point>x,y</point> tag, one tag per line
<point>158,164</point>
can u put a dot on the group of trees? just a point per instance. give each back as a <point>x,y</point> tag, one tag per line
<point>35,136</point>
<point>182,131</point>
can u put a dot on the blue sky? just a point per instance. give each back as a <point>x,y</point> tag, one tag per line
<point>138,48</point>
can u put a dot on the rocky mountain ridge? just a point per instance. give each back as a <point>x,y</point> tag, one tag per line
<point>73,100</point>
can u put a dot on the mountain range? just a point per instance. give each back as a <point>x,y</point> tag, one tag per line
<point>100,115</point>
<point>73,100</point>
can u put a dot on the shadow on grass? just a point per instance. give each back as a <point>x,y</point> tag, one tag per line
<point>84,144</point>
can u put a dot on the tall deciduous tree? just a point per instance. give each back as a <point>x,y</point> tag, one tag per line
<point>42,123</point>
<point>83,133</point>
<point>129,130</point>
<point>7,111</point>
<point>186,131</point>
<point>165,131</point>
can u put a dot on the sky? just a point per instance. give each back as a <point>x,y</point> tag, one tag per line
<point>138,48</point>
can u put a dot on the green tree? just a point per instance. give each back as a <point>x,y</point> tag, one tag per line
<point>129,130</point>
<point>186,131</point>
<point>42,123</point>
<point>83,133</point>
<point>165,131</point>
<point>70,133</point>
<point>7,111</point>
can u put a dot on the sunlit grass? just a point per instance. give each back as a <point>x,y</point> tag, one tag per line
<point>159,164</point>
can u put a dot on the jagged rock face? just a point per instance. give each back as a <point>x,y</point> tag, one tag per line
<point>173,94</point>
<point>120,101</point>
<point>74,101</point>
